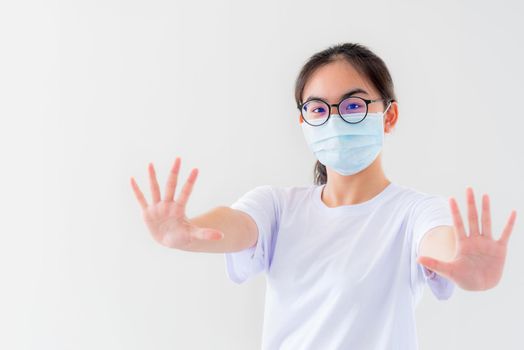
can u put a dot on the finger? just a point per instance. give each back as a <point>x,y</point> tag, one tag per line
<point>441,267</point>
<point>457,219</point>
<point>472,213</point>
<point>172,180</point>
<point>188,187</point>
<point>509,227</point>
<point>155,190</point>
<point>138,194</point>
<point>486,217</point>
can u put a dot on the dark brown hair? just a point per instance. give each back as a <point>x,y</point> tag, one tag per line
<point>364,61</point>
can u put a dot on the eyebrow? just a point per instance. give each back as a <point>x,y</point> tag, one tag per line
<point>347,94</point>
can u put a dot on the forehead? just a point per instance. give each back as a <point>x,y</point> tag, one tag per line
<point>332,80</point>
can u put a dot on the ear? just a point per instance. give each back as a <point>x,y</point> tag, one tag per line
<point>391,117</point>
<point>300,119</point>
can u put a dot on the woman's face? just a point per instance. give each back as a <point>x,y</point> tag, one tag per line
<point>331,81</point>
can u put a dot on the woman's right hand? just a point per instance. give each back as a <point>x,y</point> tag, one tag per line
<point>166,218</point>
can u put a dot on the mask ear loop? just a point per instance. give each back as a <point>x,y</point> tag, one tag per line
<point>389,105</point>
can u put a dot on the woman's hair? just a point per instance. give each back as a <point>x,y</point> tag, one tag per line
<point>364,61</point>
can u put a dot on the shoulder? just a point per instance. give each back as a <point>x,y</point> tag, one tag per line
<point>283,195</point>
<point>426,210</point>
<point>290,197</point>
<point>292,193</point>
<point>417,199</point>
<point>280,191</point>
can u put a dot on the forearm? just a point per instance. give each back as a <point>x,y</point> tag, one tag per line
<point>239,231</point>
<point>439,243</point>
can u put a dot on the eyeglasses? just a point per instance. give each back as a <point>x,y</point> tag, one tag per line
<point>352,110</point>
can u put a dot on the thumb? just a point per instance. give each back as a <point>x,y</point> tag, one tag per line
<point>441,267</point>
<point>209,234</point>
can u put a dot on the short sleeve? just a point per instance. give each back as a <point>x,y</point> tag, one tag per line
<point>429,212</point>
<point>261,204</point>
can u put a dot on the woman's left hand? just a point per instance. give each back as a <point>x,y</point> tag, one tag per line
<point>479,259</point>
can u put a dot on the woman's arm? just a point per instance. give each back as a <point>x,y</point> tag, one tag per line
<point>439,243</point>
<point>239,229</point>
<point>479,259</point>
<point>219,230</point>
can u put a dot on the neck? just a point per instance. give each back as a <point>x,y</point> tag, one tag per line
<point>354,189</point>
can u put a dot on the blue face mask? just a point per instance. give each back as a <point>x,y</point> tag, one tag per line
<point>347,148</point>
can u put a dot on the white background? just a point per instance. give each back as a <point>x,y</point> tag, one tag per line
<point>91,91</point>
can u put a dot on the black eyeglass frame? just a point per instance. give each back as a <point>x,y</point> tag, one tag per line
<point>366,101</point>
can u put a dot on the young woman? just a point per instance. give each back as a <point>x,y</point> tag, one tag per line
<point>346,259</point>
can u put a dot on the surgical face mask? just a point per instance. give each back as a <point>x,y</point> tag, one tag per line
<point>344,147</point>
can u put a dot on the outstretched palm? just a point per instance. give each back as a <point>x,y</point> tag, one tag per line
<point>166,218</point>
<point>479,259</point>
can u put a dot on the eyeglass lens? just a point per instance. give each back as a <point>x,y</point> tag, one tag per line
<point>352,109</point>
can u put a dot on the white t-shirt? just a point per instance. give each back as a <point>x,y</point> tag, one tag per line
<point>343,277</point>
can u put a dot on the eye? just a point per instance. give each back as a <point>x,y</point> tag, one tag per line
<point>315,107</point>
<point>353,105</point>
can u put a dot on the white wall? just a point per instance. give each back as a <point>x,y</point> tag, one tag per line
<point>91,91</point>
